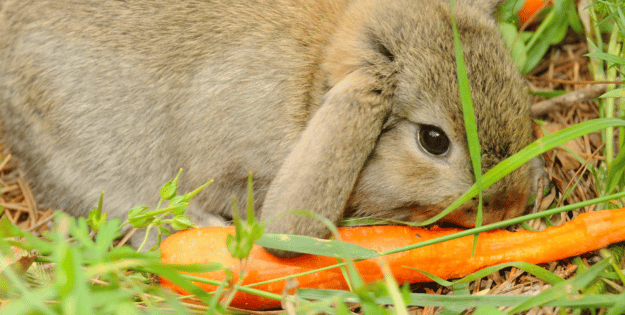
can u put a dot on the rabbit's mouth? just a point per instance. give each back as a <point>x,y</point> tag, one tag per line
<point>504,207</point>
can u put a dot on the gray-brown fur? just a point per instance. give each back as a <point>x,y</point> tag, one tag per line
<point>320,99</point>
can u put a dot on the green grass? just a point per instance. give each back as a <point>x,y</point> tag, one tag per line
<point>606,63</point>
<point>77,257</point>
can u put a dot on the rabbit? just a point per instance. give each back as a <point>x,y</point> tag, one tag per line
<point>341,107</point>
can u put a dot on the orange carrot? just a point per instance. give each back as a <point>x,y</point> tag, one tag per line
<point>530,8</point>
<point>451,259</point>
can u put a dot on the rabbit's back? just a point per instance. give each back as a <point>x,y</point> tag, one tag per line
<point>116,96</point>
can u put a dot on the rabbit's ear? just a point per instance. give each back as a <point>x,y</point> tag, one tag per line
<point>321,170</point>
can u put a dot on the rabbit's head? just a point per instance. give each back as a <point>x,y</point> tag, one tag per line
<point>388,139</point>
<point>421,162</point>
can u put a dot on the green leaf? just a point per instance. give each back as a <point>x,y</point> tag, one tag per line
<point>573,19</point>
<point>170,189</point>
<point>619,307</point>
<point>399,298</point>
<point>65,269</point>
<point>127,308</point>
<point>508,10</point>
<point>71,282</point>
<point>562,289</point>
<point>246,232</point>
<point>462,301</point>
<point>367,294</point>
<point>315,246</point>
<point>181,222</point>
<point>470,124</point>
<point>459,289</point>
<point>519,51</point>
<point>558,32</point>
<point>8,229</point>
<point>80,231</point>
<point>32,301</point>
<point>585,301</point>
<point>176,278</point>
<point>535,55</point>
<point>548,94</point>
<point>551,31</point>
<point>136,219</point>
<point>617,93</point>
<point>251,218</point>
<point>532,269</point>
<point>488,310</point>
<point>581,301</point>
<point>341,309</point>
<point>239,248</point>
<point>616,172</point>
<point>95,218</point>
<point>137,210</point>
<point>178,207</point>
<point>164,230</point>
<point>256,232</point>
<point>435,278</point>
<point>107,234</point>
<point>610,58</point>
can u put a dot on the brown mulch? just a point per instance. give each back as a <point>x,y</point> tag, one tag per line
<point>17,199</point>
<point>563,68</point>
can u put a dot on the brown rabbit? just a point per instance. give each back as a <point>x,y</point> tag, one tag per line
<point>340,107</point>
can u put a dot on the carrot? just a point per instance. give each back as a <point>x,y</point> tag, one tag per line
<point>531,7</point>
<point>451,259</point>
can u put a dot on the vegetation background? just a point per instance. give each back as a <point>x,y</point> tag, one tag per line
<point>572,55</point>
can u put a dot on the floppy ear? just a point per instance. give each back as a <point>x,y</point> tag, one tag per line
<point>321,170</point>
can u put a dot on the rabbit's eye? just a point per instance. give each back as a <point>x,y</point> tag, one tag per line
<point>433,140</point>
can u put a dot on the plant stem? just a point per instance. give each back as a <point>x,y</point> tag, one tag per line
<point>622,107</point>
<point>608,108</point>
<point>147,231</point>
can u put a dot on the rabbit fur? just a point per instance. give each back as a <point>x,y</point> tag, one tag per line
<point>323,100</point>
